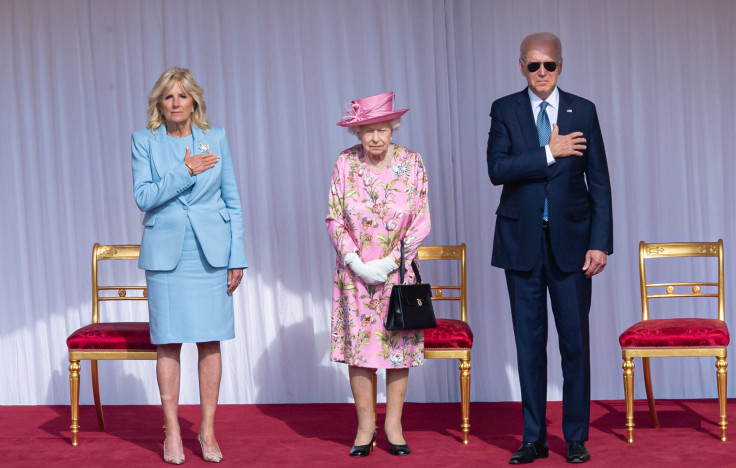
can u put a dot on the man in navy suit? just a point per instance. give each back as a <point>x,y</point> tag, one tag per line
<point>554,230</point>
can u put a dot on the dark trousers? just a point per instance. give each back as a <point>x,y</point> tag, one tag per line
<point>570,296</point>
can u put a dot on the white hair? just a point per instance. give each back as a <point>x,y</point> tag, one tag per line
<point>541,37</point>
<point>395,124</point>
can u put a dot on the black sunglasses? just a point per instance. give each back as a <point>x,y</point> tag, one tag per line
<point>534,66</point>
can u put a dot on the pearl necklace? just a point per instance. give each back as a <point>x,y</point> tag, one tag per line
<point>386,162</point>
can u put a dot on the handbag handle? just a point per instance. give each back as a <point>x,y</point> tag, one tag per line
<point>413,267</point>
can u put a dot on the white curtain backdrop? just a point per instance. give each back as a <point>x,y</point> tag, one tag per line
<point>277,73</point>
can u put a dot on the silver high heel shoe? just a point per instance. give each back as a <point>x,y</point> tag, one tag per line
<point>212,457</point>
<point>173,459</point>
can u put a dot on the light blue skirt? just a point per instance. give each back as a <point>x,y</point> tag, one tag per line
<point>190,304</point>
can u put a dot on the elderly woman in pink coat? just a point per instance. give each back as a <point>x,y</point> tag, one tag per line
<point>378,197</point>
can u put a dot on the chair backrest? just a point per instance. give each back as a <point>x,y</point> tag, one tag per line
<point>102,293</point>
<point>688,289</point>
<point>457,292</point>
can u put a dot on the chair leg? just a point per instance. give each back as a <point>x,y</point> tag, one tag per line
<point>721,375</point>
<point>96,393</point>
<point>650,394</point>
<point>74,369</point>
<point>628,366</point>
<point>374,379</point>
<point>465,398</point>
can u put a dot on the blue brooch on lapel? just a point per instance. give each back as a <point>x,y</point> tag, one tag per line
<point>204,147</point>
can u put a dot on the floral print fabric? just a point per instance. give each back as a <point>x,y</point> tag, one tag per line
<point>369,214</point>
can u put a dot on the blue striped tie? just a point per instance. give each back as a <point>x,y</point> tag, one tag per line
<point>544,130</point>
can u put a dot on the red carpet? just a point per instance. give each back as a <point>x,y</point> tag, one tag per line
<point>321,435</point>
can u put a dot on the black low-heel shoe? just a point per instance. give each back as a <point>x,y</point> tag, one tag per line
<point>362,450</point>
<point>399,450</point>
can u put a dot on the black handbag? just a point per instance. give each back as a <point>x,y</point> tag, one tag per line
<point>410,305</point>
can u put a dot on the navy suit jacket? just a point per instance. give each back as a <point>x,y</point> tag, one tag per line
<point>212,207</point>
<point>578,188</point>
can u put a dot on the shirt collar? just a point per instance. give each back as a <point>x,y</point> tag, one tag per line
<point>553,100</point>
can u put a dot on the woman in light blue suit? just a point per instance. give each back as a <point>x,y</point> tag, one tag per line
<point>193,249</point>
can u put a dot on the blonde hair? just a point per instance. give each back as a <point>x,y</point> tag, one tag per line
<point>164,83</point>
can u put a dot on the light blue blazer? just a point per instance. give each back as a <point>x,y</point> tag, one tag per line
<point>213,206</point>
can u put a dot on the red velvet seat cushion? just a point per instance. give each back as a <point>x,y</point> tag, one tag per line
<point>113,336</point>
<point>449,334</point>
<point>686,332</point>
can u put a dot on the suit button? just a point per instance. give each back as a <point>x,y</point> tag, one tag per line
<point>185,207</point>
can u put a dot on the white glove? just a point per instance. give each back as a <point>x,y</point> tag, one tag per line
<point>383,266</point>
<point>369,275</point>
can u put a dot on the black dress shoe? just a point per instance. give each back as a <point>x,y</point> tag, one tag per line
<point>529,451</point>
<point>576,452</point>
<point>362,450</point>
<point>399,449</point>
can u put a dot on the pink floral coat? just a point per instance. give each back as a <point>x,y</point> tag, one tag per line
<point>369,213</point>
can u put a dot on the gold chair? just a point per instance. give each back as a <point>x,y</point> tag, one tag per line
<point>453,338</point>
<point>106,340</point>
<point>676,336</point>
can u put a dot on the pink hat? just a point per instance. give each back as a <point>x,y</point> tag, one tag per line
<point>372,109</point>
